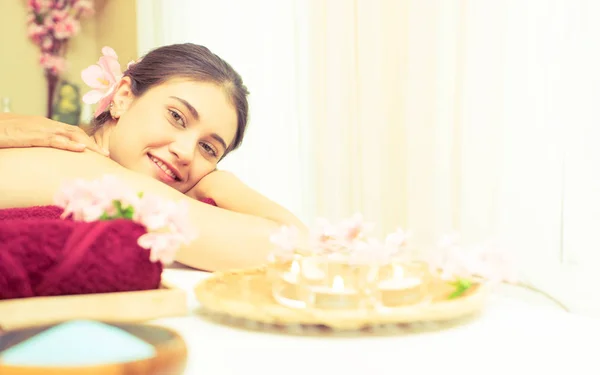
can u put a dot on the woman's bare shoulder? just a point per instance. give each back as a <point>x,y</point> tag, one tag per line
<point>37,173</point>
<point>23,161</point>
<point>49,157</point>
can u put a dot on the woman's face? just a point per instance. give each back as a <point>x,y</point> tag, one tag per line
<point>175,132</point>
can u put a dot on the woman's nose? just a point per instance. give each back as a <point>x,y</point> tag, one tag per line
<point>183,149</point>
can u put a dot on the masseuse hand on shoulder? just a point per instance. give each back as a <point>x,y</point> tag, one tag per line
<point>18,131</point>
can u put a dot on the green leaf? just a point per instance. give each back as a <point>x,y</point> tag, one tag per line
<point>128,213</point>
<point>461,286</point>
<point>117,205</point>
<point>123,212</point>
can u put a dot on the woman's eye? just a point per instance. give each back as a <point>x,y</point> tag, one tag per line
<point>208,148</point>
<point>177,117</point>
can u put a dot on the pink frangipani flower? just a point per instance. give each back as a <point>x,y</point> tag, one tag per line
<point>370,252</point>
<point>323,231</point>
<point>484,262</point>
<point>397,238</point>
<point>286,238</point>
<point>354,228</point>
<point>329,237</point>
<point>156,214</point>
<point>162,246</point>
<point>89,200</point>
<point>107,198</point>
<point>103,79</point>
<point>346,241</point>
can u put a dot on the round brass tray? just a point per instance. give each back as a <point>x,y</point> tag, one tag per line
<point>247,295</point>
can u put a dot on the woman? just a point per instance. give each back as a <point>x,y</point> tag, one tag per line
<point>172,117</point>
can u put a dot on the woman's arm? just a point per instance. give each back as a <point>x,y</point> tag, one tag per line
<point>226,239</point>
<point>230,193</point>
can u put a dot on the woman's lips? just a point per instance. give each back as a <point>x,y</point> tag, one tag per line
<point>165,173</point>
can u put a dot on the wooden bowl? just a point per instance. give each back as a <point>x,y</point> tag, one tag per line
<point>171,354</point>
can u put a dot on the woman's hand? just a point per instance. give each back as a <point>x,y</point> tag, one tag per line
<point>18,131</point>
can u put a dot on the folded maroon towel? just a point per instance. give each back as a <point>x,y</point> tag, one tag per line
<point>51,256</point>
<point>44,212</point>
<point>44,255</point>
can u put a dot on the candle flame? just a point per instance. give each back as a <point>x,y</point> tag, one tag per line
<point>292,275</point>
<point>338,283</point>
<point>398,272</point>
<point>295,268</point>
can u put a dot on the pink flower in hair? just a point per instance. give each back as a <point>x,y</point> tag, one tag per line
<point>103,79</point>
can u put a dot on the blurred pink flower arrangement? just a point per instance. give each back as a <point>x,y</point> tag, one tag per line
<point>350,238</point>
<point>166,222</point>
<point>50,25</point>
<point>459,265</point>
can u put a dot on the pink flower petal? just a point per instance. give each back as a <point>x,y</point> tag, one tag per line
<point>111,69</point>
<point>162,246</point>
<point>103,105</point>
<point>107,51</point>
<point>286,238</point>
<point>93,76</point>
<point>93,96</point>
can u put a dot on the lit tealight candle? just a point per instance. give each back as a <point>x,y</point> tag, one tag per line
<point>291,276</point>
<point>338,296</point>
<point>338,284</point>
<point>289,290</point>
<point>400,289</point>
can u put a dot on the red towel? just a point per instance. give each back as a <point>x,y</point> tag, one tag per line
<point>49,256</point>
<point>43,255</point>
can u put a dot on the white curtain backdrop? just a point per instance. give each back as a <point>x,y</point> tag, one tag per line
<point>475,116</point>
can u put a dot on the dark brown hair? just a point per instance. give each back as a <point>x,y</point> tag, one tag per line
<point>187,61</point>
